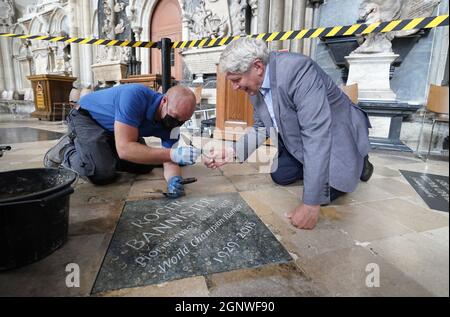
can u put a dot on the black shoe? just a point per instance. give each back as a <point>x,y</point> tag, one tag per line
<point>445,143</point>
<point>367,170</point>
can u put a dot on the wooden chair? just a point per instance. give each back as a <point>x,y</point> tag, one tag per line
<point>352,92</point>
<point>198,95</point>
<point>437,107</point>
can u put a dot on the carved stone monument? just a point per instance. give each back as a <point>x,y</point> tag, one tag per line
<point>212,19</point>
<point>370,63</point>
<point>111,63</point>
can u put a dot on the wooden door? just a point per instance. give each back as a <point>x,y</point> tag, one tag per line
<point>166,22</point>
<point>234,111</point>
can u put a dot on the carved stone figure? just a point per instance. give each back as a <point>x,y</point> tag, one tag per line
<point>119,6</point>
<point>120,27</point>
<point>107,53</point>
<point>41,62</point>
<point>62,57</point>
<point>131,12</point>
<point>108,26</point>
<point>371,11</point>
<point>6,12</point>
<point>203,22</point>
<point>125,54</point>
<point>254,6</point>
<point>237,16</point>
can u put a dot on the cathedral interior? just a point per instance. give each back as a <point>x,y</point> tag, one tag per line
<point>390,237</point>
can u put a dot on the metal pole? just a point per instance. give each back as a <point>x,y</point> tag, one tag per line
<point>166,46</point>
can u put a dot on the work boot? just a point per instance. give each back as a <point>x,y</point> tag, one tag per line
<point>367,169</point>
<point>55,156</point>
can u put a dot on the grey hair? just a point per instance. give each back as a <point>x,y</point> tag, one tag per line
<point>239,55</point>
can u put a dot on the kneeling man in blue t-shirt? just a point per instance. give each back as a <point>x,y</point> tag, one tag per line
<point>106,134</point>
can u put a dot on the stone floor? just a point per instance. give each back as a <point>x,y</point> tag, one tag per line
<point>383,222</point>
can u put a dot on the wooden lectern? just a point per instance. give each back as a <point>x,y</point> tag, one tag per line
<point>50,90</point>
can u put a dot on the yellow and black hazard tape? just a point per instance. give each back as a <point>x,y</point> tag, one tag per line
<point>360,29</point>
<point>78,40</point>
<point>348,30</point>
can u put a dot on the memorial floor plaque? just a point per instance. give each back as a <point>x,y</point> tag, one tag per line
<point>25,134</point>
<point>161,240</point>
<point>432,188</point>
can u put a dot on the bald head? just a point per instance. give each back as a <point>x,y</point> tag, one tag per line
<point>181,102</point>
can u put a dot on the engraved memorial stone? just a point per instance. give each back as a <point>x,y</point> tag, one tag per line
<point>163,240</point>
<point>432,188</point>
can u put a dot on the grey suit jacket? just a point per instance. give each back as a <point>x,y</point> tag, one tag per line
<point>317,122</point>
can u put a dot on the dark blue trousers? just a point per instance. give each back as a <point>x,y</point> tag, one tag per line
<point>93,153</point>
<point>290,170</point>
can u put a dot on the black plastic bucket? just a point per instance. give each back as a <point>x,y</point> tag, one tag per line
<point>34,214</point>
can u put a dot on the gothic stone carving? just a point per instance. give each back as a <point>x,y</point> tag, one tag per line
<point>6,13</point>
<point>237,16</point>
<point>371,11</point>
<point>203,23</point>
<point>114,26</point>
<point>62,57</point>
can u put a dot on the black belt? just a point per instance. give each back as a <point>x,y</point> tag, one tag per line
<point>84,112</point>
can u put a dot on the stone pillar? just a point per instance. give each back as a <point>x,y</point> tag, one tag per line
<point>316,17</point>
<point>263,16</point>
<point>74,32</point>
<point>308,25</point>
<point>137,33</point>
<point>254,19</point>
<point>6,47</point>
<point>7,81</point>
<point>298,23</point>
<point>87,22</point>
<point>2,75</point>
<point>276,21</point>
<point>287,23</point>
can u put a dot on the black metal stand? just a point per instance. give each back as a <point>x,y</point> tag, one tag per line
<point>397,112</point>
<point>166,46</point>
<point>134,66</point>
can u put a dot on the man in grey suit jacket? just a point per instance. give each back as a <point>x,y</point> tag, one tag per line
<point>322,135</point>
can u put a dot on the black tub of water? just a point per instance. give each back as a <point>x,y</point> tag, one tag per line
<point>34,214</point>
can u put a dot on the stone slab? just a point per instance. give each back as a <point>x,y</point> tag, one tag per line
<point>162,240</point>
<point>25,134</point>
<point>432,188</point>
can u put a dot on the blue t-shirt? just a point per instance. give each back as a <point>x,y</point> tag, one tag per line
<point>132,104</point>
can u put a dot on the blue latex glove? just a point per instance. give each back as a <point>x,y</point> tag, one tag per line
<point>175,188</point>
<point>185,155</point>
